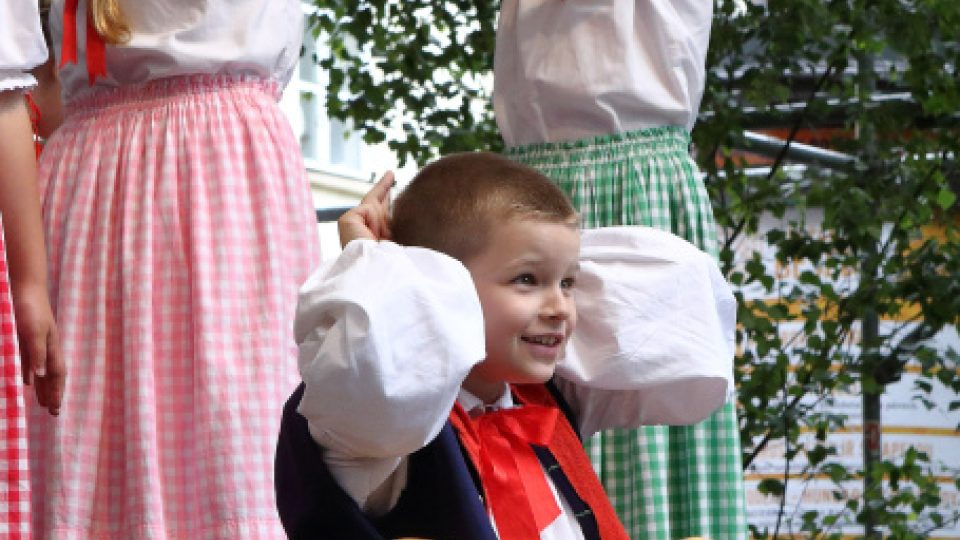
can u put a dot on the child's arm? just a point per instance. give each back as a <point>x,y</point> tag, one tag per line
<point>654,342</point>
<point>20,210</point>
<point>386,335</point>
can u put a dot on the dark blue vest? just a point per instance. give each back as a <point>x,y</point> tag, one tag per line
<point>441,500</point>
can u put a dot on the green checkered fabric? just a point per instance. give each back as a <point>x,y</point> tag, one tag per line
<point>665,482</point>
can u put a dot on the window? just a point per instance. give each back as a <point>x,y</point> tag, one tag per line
<point>328,145</point>
<point>344,145</point>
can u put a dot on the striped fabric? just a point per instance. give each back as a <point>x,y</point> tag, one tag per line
<point>179,225</point>
<point>14,475</point>
<point>665,482</point>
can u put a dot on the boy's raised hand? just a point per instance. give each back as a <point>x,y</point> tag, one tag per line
<point>371,218</point>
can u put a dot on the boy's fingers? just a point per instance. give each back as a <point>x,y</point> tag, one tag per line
<point>385,229</point>
<point>380,221</point>
<point>389,182</point>
<point>380,192</point>
<point>359,222</point>
<point>371,218</point>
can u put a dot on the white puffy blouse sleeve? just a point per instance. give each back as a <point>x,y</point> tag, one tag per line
<point>654,342</point>
<point>22,47</point>
<point>386,336</point>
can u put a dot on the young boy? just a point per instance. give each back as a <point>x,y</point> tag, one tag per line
<point>445,386</point>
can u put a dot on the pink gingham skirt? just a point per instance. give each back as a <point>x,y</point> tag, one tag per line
<point>14,476</point>
<point>179,225</point>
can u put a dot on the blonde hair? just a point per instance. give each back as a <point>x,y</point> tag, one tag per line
<point>451,205</point>
<point>109,21</point>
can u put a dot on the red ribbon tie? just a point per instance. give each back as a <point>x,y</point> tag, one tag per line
<point>96,50</point>
<point>518,494</point>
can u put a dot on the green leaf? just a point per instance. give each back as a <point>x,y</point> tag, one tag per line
<point>771,486</point>
<point>946,198</point>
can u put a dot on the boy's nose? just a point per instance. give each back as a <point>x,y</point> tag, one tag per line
<point>558,305</point>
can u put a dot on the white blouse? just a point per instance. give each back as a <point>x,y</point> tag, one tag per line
<point>259,38</point>
<point>21,43</point>
<point>383,354</point>
<point>571,69</point>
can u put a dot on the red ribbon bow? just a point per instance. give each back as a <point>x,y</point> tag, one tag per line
<point>96,50</point>
<point>34,123</point>
<point>517,491</point>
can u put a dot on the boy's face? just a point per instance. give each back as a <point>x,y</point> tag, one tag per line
<point>524,278</point>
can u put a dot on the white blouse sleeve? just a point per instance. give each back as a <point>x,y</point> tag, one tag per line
<point>386,336</point>
<point>22,47</point>
<point>654,342</point>
<point>174,38</point>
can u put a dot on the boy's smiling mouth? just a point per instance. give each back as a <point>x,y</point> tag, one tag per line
<point>544,344</point>
<point>546,340</point>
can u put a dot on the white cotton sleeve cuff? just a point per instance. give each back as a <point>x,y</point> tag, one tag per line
<point>15,80</point>
<point>374,483</point>
<point>655,331</point>
<point>386,336</point>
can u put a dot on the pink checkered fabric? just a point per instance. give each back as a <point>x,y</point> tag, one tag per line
<point>179,225</point>
<point>14,475</point>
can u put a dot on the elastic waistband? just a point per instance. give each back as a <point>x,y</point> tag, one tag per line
<point>165,91</point>
<point>652,141</point>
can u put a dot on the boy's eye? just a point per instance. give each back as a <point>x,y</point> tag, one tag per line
<point>524,279</point>
<point>567,283</point>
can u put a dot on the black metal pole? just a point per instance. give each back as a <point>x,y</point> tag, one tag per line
<point>872,455</point>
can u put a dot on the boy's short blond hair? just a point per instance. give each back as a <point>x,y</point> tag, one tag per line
<point>451,204</point>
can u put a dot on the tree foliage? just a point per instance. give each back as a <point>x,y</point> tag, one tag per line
<point>423,66</point>
<point>870,235</point>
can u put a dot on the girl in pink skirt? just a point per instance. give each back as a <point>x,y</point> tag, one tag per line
<point>180,225</point>
<point>27,330</point>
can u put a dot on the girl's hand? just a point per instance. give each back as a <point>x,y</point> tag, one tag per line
<point>371,218</point>
<point>42,364</point>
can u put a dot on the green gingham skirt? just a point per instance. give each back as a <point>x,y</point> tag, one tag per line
<point>665,482</point>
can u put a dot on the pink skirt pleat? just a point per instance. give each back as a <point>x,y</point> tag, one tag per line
<point>179,225</point>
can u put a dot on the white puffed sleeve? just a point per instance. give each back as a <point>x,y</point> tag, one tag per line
<point>386,336</point>
<point>654,342</point>
<point>22,47</point>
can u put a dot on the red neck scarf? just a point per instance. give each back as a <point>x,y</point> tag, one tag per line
<point>514,485</point>
<point>516,489</point>
<point>95,50</point>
